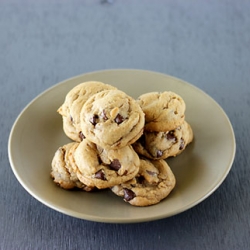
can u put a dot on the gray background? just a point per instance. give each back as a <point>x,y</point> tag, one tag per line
<point>206,43</point>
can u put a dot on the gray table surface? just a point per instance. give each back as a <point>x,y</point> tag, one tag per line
<point>206,43</point>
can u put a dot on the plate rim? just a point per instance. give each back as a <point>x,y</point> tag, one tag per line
<point>120,220</point>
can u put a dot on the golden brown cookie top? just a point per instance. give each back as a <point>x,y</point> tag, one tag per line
<point>112,119</point>
<point>74,100</point>
<point>161,145</point>
<point>163,111</point>
<point>105,168</point>
<point>153,183</point>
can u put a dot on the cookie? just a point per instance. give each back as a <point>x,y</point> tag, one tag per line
<point>163,111</point>
<point>74,100</point>
<point>105,168</point>
<point>63,169</point>
<point>112,119</point>
<point>153,183</point>
<point>161,145</point>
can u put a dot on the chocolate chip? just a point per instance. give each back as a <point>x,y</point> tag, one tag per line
<point>100,175</point>
<point>71,119</point>
<point>99,160</point>
<point>159,153</point>
<point>104,116</point>
<point>128,194</point>
<point>81,136</point>
<point>140,179</point>
<point>170,136</point>
<point>182,144</point>
<point>151,173</point>
<point>94,120</point>
<point>119,119</point>
<point>115,164</point>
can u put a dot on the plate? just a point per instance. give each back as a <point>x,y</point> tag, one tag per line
<point>37,133</point>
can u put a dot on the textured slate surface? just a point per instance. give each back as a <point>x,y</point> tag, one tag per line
<point>203,42</point>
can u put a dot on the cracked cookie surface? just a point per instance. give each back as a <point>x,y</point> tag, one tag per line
<point>104,168</point>
<point>71,108</point>
<point>163,111</point>
<point>112,119</point>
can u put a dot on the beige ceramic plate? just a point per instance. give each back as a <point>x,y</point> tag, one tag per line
<point>37,133</point>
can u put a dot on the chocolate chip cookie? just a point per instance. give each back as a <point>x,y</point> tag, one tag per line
<point>153,183</point>
<point>112,119</point>
<point>104,168</point>
<point>161,145</point>
<point>74,100</point>
<point>63,170</point>
<point>163,111</point>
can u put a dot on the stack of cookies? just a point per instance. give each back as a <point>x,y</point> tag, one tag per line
<point>116,142</point>
<point>166,132</point>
